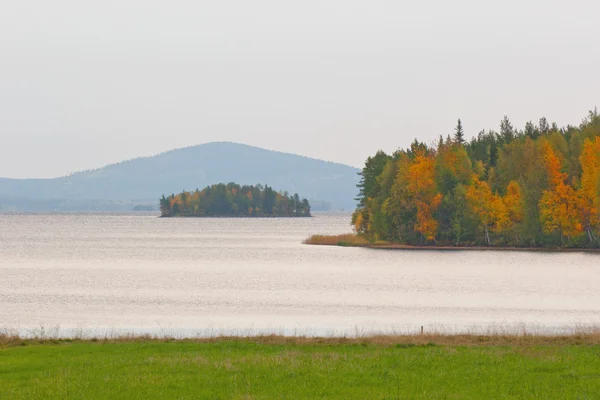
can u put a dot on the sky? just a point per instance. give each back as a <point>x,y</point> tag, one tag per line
<point>88,83</point>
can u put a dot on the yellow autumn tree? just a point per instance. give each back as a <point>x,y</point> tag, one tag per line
<point>490,209</point>
<point>357,221</point>
<point>589,193</point>
<point>423,192</point>
<point>453,165</point>
<point>558,205</point>
<point>513,201</point>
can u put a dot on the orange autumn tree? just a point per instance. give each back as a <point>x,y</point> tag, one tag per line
<point>558,205</point>
<point>589,193</point>
<point>422,189</point>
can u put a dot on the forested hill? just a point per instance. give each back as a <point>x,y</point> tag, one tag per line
<point>539,186</point>
<point>121,186</point>
<point>233,200</point>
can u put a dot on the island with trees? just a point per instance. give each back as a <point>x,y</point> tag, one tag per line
<point>233,200</point>
<point>538,187</point>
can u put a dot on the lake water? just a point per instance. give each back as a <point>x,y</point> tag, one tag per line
<point>186,277</point>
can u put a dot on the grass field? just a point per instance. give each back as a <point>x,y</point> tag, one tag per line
<point>419,367</point>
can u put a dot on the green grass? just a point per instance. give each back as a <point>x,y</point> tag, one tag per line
<point>303,369</point>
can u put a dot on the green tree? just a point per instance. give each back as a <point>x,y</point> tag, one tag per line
<point>459,135</point>
<point>507,132</point>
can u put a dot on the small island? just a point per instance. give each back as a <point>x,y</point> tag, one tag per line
<point>536,188</point>
<point>233,200</point>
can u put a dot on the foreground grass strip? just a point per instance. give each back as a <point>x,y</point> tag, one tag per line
<point>303,368</point>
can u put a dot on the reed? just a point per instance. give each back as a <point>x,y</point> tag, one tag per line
<point>348,239</point>
<point>577,336</point>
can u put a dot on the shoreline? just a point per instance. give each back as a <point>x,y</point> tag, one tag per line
<point>352,240</point>
<point>479,248</point>
<point>583,337</point>
<point>235,216</point>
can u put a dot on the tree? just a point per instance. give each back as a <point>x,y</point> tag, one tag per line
<point>368,176</point>
<point>165,208</point>
<point>507,132</point>
<point>234,200</point>
<point>589,193</point>
<point>368,188</point>
<point>558,205</point>
<point>305,208</point>
<point>531,131</point>
<point>400,207</point>
<point>297,203</point>
<point>459,136</point>
<point>493,154</point>
<point>533,187</point>
<point>452,166</point>
<point>461,226</point>
<point>482,203</point>
<point>422,189</point>
<point>544,126</point>
<point>513,200</point>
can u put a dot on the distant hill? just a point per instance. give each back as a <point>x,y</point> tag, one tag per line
<point>141,181</point>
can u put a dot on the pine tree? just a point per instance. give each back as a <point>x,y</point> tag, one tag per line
<point>493,154</point>
<point>459,135</point>
<point>531,130</point>
<point>544,126</point>
<point>507,132</point>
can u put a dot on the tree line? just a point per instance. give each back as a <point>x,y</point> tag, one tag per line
<point>538,187</point>
<point>233,200</point>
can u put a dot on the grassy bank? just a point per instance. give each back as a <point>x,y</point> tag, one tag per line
<point>354,240</point>
<point>389,367</point>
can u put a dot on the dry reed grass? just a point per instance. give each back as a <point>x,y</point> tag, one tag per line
<point>348,239</point>
<point>578,337</point>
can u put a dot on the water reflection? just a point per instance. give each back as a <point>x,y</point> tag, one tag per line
<point>187,276</point>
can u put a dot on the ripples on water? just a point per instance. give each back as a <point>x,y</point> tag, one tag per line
<point>139,273</point>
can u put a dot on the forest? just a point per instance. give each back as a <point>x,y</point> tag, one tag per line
<point>233,200</point>
<point>533,187</point>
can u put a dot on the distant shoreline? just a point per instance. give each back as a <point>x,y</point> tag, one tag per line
<point>484,248</point>
<point>351,240</point>
<point>234,216</point>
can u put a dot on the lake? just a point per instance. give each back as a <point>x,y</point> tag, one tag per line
<point>100,273</point>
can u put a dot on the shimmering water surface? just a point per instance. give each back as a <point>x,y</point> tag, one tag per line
<point>125,273</point>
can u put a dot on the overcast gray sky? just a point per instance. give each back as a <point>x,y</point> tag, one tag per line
<point>87,83</point>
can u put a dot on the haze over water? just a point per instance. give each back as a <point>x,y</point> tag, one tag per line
<point>185,277</point>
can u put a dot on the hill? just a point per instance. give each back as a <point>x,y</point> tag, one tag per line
<point>122,186</point>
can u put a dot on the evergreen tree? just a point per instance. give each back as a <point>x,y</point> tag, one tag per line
<point>531,130</point>
<point>459,135</point>
<point>493,154</point>
<point>507,131</point>
<point>368,183</point>
<point>544,126</point>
